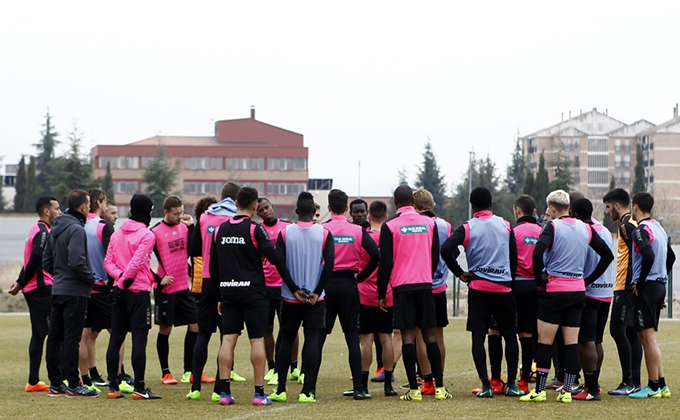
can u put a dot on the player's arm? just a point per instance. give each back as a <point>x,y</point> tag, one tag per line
<point>670,258</point>
<point>328,262</point>
<point>435,249</point>
<point>641,239</point>
<point>48,257</point>
<point>386,260</point>
<point>450,250</point>
<point>544,243</point>
<point>110,263</point>
<point>267,248</point>
<point>140,257</point>
<point>35,259</point>
<point>606,257</point>
<point>214,267</point>
<point>196,242</point>
<point>77,259</point>
<point>107,231</point>
<point>373,252</point>
<point>513,254</point>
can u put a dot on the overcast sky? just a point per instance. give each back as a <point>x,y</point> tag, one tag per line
<point>369,80</point>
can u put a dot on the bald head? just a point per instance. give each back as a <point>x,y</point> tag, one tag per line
<point>403,196</point>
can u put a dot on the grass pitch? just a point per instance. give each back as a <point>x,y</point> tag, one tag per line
<point>460,377</point>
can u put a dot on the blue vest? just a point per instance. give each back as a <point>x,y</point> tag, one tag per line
<point>567,257</point>
<point>95,250</point>
<point>488,249</point>
<point>659,241</point>
<point>442,271</point>
<point>304,258</point>
<point>604,286</point>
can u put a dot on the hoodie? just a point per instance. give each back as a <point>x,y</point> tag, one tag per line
<point>66,256</point>
<point>226,207</point>
<point>129,255</point>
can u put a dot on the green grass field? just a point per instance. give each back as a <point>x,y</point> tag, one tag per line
<point>334,378</point>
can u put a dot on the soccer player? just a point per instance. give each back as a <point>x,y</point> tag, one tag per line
<point>596,311</point>
<point>208,296</point>
<point>653,258</point>
<point>563,244</point>
<point>358,211</point>
<point>527,230</point>
<point>317,212</point>
<point>622,325</point>
<point>342,294</point>
<point>373,321</point>
<point>175,305</point>
<point>111,211</point>
<point>127,261</point>
<point>65,258</point>
<point>273,225</point>
<point>236,264</point>
<point>98,318</point>
<point>36,284</point>
<point>491,253</point>
<point>409,256</point>
<point>195,247</point>
<point>307,251</point>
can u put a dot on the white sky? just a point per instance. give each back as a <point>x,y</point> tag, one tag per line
<point>369,80</point>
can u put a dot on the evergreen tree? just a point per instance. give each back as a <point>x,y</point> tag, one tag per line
<point>458,211</point>
<point>606,219</point>
<point>403,176</point>
<point>20,187</point>
<point>31,195</point>
<point>107,184</point>
<point>71,171</point>
<point>541,185</point>
<point>430,178</point>
<point>529,185</point>
<point>3,203</point>
<point>160,178</point>
<point>639,185</point>
<point>515,175</point>
<point>562,175</point>
<point>46,154</point>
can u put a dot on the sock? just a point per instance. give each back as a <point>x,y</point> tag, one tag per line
<point>271,364</point>
<point>189,344</point>
<point>571,366</point>
<point>94,373</point>
<point>409,355</point>
<point>543,356</point>
<point>139,386</point>
<point>224,386</point>
<point>165,371</point>
<point>435,357</point>
<point>495,355</point>
<point>122,370</point>
<point>597,378</point>
<point>388,376</point>
<point>293,365</point>
<point>591,382</point>
<point>87,380</point>
<point>486,383</point>
<point>662,382</point>
<point>479,356</point>
<point>364,379</point>
<point>569,379</point>
<point>163,348</point>
<point>654,384</point>
<point>511,356</point>
<point>428,378</point>
<point>527,344</point>
<point>259,390</point>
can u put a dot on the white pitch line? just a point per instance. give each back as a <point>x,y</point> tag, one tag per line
<point>264,412</point>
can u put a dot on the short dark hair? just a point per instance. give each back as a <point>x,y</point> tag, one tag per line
<point>305,204</point>
<point>77,198</point>
<point>526,204</point>
<point>617,195</point>
<point>230,190</point>
<point>110,202</point>
<point>203,204</point>
<point>246,197</point>
<point>358,201</point>
<point>263,199</point>
<point>403,195</point>
<point>377,209</point>
<point>96,195</point>
<point>644,201</point>
<point>171,202</point>
<point>583,208</point>
<point>480,198</point>
<point>337,200</point>
<point>42,203</point>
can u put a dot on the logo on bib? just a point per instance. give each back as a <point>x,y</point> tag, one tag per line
<point>235,283</point>
<point>343,239</point>
<point>530,240</point>
<point>408,230</point>
<point>211,229</point>
<point>233,240</point>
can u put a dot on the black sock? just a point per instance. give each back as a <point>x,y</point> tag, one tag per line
<point>511,356</point>
<point>428,378</point>
<point>591,382</point>
<point>653,384</point>
<point>364,379</point>
<point>543,356</point>
<point>293,365</point>
<point>271,364</point>
<point>139,386</point>
<point>224,386</point>
<point>597,378</point>
<point>409,356</point>
<point>165,371</point>
<point>435,357</point>
<point>259,390</point>
<point>94,373</point>
<point>122,369</point>
<point>189,344</point>
<point>662,382</point>
<point>479,355</point>
<point>163,348</point>
<point>388,376</point>
<point>527,344</point>
<point>495,355</point>
<point>87,380</point>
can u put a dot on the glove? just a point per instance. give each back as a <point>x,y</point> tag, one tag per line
<point>128,282</point>
<point>114,295</point>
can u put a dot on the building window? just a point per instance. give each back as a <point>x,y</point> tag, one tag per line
<point>245,164</point>
<point>286,164</point>
<point>577,161</point>
<point>285,188</point>
<point>126,187</point>
<point>598,145</point>
<point>598,177</point>
<point>617,145</point>
<point>197,163</point>
<point>598,161</point>
<point>203,187</point>
<point>576,178</point>
<point>576,145</point>
<point>626,161</point>
<point>259,186</point>
<point>626,146</point>
<point>119,162</point>
<point>617,161</point>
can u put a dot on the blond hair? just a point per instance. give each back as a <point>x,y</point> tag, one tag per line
<point>423,200</point>
<point>559,199</point>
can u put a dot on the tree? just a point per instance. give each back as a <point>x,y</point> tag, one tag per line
<point>606,219</point>
<point>32,194</point>
<point>107,184</point>
<point>541,185</point>
<point>529,184</point>
<point>562,175</point>
<point>515,174</point>
<point>160,178</point>
<point>403,176</point>
<point>639,185</point>
<point>3,203</point>
<point>20,187</point>
<point>46,153</point>
<point>71,171</point>
<point>430,178</point>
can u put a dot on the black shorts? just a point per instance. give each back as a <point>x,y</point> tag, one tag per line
<point>561,308</point>
<point>208,317</point>
<point>295,314</point>
<point>274,296</point>
<point>593,321</point>
<point>526,298</point>
<point>623,309</point>
<point>372,320</point>
<point>249,308</point>
<point>414,308</point>
<point>39,308</point>
<point>132,311</point>
<point>98,312</point>
<point>176,309</point>
<point>482,306</point>
<point>648,304</point>
<point>441,309</point>
<point>342,301</point>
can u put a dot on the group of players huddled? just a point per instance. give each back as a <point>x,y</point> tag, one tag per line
<point>549,280</point>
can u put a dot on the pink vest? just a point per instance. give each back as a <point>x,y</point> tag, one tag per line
<point>172,252</point>
<point>32,283</point>
<point>271,275</point>
<point>526,236</point>
<point>412,247</point>
<point>347,240</point>
<point>209,225</point>
<point>368,289</point>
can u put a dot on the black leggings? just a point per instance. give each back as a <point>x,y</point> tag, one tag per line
<point>139,340</point>
<point>311,357</point>
<point>353,348</point>
<point>200,358</point>
<point>35,352</point>
<point>630,352</point>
